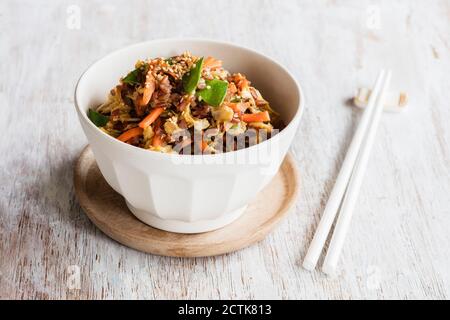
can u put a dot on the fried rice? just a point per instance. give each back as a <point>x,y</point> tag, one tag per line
<point>188,105</point>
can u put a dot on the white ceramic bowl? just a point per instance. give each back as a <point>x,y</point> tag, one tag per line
<point>184,193</point>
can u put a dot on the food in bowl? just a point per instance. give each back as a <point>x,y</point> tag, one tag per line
<point>177,192</point>
<point>187,105</point>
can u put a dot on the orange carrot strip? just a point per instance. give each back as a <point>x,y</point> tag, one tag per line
<point>212,63</point>
<point>241,81</point>
<point>151,117</point>
<point>256,117</point>
<point>157,140</point>
<point>243,84</point>
<point>127,135</point>
<point>234,106</point>
<point>204,145</point>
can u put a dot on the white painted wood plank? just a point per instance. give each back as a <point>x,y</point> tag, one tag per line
<point>399,244</point>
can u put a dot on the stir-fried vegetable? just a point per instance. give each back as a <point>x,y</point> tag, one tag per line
<point>192,77</point>
<point>165,105</point>
<point>157,140</point>
<point>212,63</point>
<point>214,93</point>
<point>132,77</point>
<point>127,135</point>
<point>97,118</point>
<point>256,117</point>
<point>151,117</point>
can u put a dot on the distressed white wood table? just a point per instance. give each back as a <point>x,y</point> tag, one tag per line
<point>399,244</point>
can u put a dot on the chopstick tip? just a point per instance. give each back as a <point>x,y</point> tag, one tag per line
<point>308,265</point>
<point>329,270</point>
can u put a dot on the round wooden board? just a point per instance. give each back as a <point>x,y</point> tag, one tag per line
<point>108,211</point>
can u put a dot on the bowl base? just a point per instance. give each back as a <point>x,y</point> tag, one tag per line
<point>108,211</point>
<point>184,226</point>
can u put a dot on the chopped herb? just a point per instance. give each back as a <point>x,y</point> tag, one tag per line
<point>236,99</point>
<point>192,77</point>
<point>214,93</point>
<point>97,118</point>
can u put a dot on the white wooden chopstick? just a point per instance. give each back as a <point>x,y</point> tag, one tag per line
<point>331,209</point>
<point>354,185</point>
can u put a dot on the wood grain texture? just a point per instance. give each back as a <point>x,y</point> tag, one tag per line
<point>108,211</point>
<point>399,244</point>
